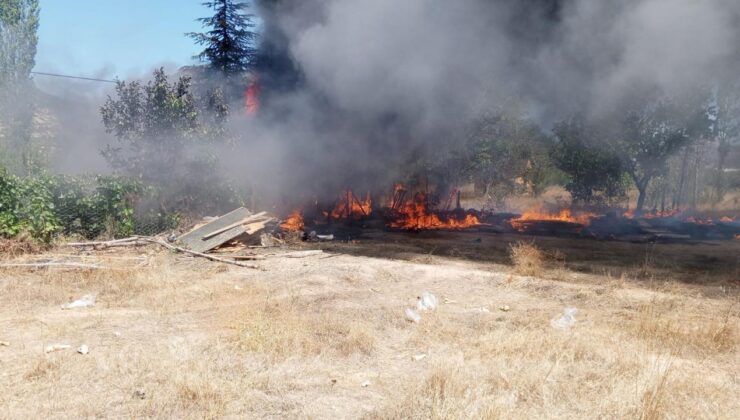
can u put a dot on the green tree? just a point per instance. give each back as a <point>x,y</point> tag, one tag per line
<point>650,134</point>
<point>595,176</point>
<point>506,152</point>
<point>229,40</point>
<point>166,136</point>
<point>19,20</point>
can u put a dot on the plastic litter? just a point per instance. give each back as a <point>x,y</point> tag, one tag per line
<point>83,302</point>
<point>426,302</point>
<point>566,321</point>
<point>83,349</point>
<point>365,384</point>
<point>419,357</point>
<point>57,347</point>
<point>504,308</point>
<point>412,316</point>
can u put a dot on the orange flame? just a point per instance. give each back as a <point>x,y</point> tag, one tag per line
<point>294,222</point>
<point>414,215</point>
<point>252,98</point>
<point>349,206</point>
<point>630,214</point>
<point>564,215</point>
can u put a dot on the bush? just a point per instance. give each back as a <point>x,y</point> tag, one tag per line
<point>87,206</point>
<point>527,258</point>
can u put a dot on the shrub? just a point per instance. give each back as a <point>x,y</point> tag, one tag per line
<point>527,258</point>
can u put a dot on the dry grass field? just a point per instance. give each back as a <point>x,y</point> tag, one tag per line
<point>656,332</point>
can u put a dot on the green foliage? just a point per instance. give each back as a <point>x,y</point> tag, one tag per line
<point>167,138</point>
<point>90,207</point>
<point>507,154</point>
<point>229,42</point>
<point>653,131</point>
<point>595,176</point>
<point>27,204</point>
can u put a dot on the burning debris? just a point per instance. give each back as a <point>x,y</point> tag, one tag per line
<point>565,217</point>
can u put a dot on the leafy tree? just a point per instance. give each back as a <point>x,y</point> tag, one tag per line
<point>153,124</point>
<point>505,152</point>
<point>594,174</point>
<point>229,42</point>
<point>166,137</point>
<point>19,21</point>
<point>726,131</point>
<point>649,135</point>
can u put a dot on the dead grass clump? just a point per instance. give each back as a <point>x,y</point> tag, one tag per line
<point>43,369</point>
<point>286,329</point>
<point>201,396</point>
<point>443,394</point>
<point>653,405</point>
<point>679,332</point>
<point>528,260</point>
<point>20,245</point>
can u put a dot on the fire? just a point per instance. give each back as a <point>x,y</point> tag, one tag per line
<point>415,215</point>
<point>564,215</point>
<point>294,222</point>
<point>630,214</point>
<point>252,97</point>
<point>349,206</point>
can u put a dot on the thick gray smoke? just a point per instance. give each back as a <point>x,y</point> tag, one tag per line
<point>356,87</point>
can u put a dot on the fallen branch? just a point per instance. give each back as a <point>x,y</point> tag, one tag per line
<point>197,254</point>
<point>132,241</point>
<point>299,254</point>
<point>52,264</point>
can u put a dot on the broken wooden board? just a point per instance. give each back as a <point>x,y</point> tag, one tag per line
<point>194,241</point>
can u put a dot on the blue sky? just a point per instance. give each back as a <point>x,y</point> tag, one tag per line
<point>123,38</point>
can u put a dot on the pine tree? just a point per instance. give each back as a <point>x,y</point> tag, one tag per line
<point>229,43</point>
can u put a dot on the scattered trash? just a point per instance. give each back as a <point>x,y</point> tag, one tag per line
<point>419,357</point>
<point>4,344</point>
<point>566,321</point>
<point>140,394</point>
<point>365,384</point>
<point>482,310</point>
<point>83,302</point>
<point>57,347</point>
<point>412,316</point>
<point>83,349</point>
<point>325,237</point>
<point>448,301</point>
<point>427,302</point>
<point>504,308</point>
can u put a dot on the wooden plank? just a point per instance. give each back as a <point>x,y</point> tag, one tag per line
<point>194,241</point>
<point>246,221</point>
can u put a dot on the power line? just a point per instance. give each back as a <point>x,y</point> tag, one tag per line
<point>92,79</point>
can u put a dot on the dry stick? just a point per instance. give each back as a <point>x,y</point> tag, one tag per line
<point>104,243</point>
<point>53,264</point>
<point>198,254</point>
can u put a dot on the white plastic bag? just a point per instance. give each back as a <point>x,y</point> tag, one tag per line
<point>427,302</point>
<point>566,321</point>
<point>83,302</point>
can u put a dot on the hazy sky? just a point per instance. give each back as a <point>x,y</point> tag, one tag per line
<point>114,38</point>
